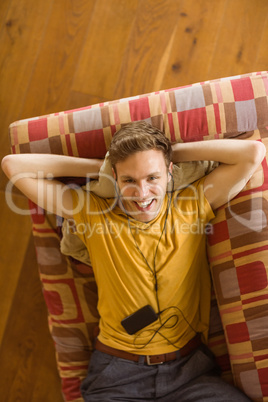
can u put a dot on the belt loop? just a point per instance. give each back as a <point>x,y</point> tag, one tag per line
<point>141,360</point>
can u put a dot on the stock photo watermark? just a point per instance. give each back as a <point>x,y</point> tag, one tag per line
<point>253,217</point>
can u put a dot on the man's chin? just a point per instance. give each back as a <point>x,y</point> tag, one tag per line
<point>143,216</point>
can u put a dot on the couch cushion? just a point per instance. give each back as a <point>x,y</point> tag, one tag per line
<point>238,254</point>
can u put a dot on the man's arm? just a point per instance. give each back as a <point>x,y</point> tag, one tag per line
<point>34,175</point>
<point>238,161</point>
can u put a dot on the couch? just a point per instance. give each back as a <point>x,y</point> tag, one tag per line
<point>237,248</point>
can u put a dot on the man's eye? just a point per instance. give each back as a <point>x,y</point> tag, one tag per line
<point>129,181</point>
<point>152,178</point>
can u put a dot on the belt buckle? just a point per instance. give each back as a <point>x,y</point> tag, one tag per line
<point>148,361</point>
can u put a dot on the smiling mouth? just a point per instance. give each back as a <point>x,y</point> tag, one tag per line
<point>143,205</point>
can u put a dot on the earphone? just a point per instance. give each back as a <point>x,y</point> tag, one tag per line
<point>154,272</point>
<point>175,316</point>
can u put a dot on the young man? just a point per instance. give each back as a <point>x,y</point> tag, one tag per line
<point>148,258</point>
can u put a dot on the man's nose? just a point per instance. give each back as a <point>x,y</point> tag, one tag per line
<point>142,190</point>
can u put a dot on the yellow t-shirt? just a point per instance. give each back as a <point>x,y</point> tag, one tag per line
<point>122,252</point>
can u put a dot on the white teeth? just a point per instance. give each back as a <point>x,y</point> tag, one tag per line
<point>144,204</point>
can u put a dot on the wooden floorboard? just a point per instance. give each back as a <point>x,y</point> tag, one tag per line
<point>239,39</point>
<point>59,54</point>
<point>149,39</point>
<point>14,238</point>
<point>191,55</point>
<point>108,36</point>
<point>27,342</point>
<point>63,54</point>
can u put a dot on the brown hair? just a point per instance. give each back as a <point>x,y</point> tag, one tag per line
<point>135,137</point>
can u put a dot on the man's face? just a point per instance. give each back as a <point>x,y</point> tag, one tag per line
<point>142,180</point>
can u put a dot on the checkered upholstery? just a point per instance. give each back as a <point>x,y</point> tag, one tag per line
<point>237,249</point>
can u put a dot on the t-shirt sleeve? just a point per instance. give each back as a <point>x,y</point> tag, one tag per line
<point>78,225</point>
<point>192,200</point>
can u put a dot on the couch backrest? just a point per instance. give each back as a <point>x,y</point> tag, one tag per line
<point>209,110</point>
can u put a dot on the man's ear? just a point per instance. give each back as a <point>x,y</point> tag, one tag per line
<point>170,170</point>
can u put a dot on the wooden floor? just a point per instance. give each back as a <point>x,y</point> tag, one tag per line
<point>63,54</point>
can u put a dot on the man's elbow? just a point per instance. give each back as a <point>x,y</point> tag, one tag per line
<point>258,152</point>
<point>6,165</point>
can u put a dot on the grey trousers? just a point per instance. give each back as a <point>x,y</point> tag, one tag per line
<point>191,378</point>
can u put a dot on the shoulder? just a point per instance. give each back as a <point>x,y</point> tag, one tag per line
<point>192,201</point>
<point>193,191</point>
<point>87,202</point>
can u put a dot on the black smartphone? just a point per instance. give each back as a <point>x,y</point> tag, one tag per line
<point>140,319</point>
